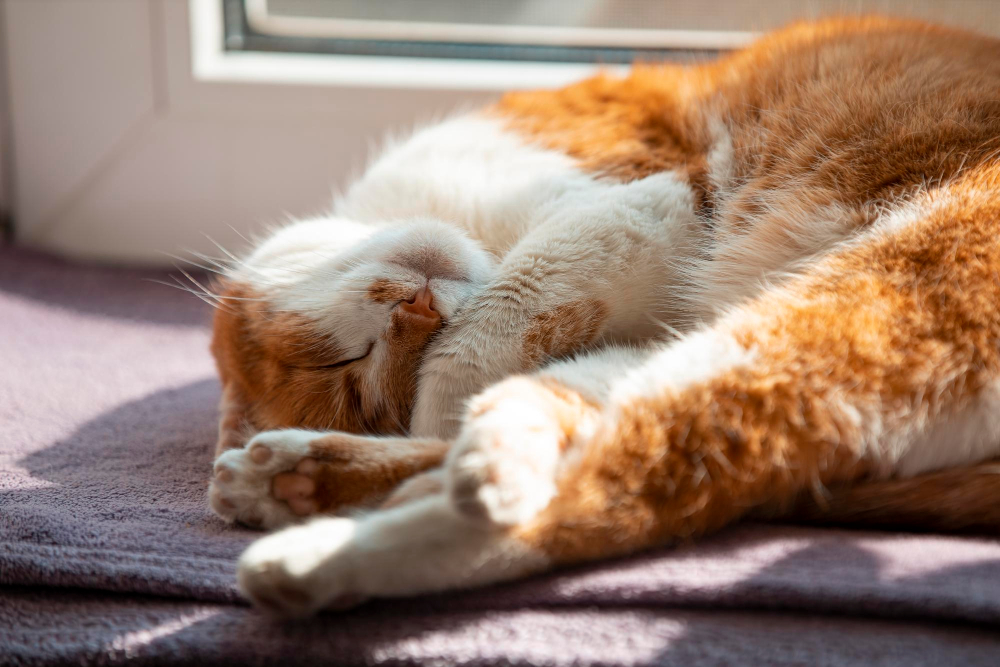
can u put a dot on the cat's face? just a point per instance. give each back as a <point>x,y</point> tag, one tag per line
<point>325,324</point>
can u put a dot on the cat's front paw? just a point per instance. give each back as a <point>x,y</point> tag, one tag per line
<point>300,570</point>
<point>454,371</point>
<point>271,482</point>
<point>503,467</point>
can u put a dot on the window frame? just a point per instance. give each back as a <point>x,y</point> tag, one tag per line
<point>250,26</point>
<point>218,59</point>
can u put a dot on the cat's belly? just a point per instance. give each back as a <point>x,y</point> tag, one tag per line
<point>968,437</point>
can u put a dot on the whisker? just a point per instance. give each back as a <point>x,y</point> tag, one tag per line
<point>240,234</point>
<point>223,266</point>
<point>224,251</point>
<point>186,260</point>
<point>205,290</point>
<point>184,288</point>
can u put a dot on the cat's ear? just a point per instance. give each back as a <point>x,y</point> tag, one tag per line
<point>235,425</point>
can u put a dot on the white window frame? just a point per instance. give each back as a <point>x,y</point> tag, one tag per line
<point>265,22</point>
<point>212,62</point>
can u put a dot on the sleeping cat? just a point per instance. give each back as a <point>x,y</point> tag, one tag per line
<point>585,322</point>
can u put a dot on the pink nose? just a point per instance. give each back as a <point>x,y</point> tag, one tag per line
<point>421,304</point>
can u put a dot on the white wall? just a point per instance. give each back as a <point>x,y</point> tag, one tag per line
<point>4,119</point>
<point>122,155</point>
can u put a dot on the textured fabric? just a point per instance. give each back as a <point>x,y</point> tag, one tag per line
<point>87,628</point>
<point>108,550</point>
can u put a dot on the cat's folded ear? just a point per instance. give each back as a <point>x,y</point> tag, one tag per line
<point>235,424</point>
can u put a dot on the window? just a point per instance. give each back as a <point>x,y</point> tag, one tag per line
<point>571,31</point>
<point>582,31</point>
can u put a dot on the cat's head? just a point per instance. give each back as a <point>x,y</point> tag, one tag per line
<point>324,325</point>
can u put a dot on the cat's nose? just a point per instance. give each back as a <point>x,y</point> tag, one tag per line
<point>421,304</point>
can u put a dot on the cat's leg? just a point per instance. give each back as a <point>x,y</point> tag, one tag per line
<point>285,475</point>
<point>881,361</point>
<point>604,264</point>
<point>517,435</point>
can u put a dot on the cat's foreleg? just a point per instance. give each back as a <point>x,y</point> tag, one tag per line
<point>282,476</point>
<point>603,265</point>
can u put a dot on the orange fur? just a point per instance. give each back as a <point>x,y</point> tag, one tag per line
<point>887,320</point>
<point>562,331</point>
<point>956,500</point>
<point>273,366</point>
<point>384,291</point>
<point>349,471</point>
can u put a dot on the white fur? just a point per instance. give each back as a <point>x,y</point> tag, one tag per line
<point>467,171</point>
<point>971,436</point>
<point>415,548</point>
<point>322,269</point>
<point>503,465</point>
<point>594,375</point>
<point>248,493</point>
<point>448,195</point>
<point>742,265</point>
<point>721,161</point>
<point>695,358</point>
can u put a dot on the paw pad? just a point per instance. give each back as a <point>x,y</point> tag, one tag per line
<point>260,454</point>
<point>267,483</point>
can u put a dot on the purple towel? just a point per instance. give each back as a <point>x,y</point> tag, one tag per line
<point>108,550</point>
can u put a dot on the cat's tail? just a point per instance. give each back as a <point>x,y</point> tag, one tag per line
<point>965,499</point>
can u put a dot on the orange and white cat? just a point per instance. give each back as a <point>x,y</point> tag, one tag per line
<point>586,322</point>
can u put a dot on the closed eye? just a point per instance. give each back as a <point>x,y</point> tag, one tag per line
<point>344,362</point>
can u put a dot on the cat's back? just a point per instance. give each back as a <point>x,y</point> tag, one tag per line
<point>827,129</point>
<point>869,105</point>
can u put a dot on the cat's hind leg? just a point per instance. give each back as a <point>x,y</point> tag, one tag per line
<point>520,433</point>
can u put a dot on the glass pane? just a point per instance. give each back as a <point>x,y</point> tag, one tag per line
<point>636,14</point>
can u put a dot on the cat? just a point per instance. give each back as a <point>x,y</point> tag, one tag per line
<point>586,322</point>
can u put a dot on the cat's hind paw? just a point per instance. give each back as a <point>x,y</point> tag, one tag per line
<point>503,466</point>
<point>269,483</point>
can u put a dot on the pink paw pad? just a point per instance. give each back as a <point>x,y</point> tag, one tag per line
<point>297,488</point>
<point>260,454</point>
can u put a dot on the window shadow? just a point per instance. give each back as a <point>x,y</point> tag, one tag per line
<point>121,504</point>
